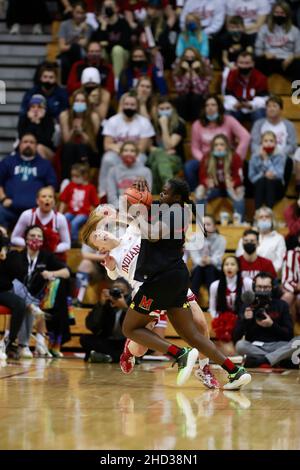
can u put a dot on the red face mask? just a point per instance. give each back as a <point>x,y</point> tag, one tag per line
<point>35,245</point>
<point>128,160</point>
<point>269,149</point>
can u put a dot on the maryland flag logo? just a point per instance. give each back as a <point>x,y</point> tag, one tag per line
<point>145,303</point>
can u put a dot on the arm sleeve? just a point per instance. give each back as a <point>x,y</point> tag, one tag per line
<point>241,134</point>
<point>64,234</point>
<point>256,136</point>
<point>218,19</point>
<point>284,329</point>
<point>291,146</point>
<point>213,298</point>
<point>260,42</point>
<point>280,254</point>
<point>255,171</point>
<point>17,236</point>
<point>179,46</point>
<point>196,141</point>
<point>289,277</point>
<point>277,166</point>
<point>217,255</point>
<point>239,250</point>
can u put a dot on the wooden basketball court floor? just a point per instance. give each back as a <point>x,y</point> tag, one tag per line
<point>67,404</point>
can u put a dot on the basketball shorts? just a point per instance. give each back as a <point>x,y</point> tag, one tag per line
<point>168,290</point>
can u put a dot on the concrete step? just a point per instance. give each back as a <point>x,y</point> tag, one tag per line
<point>14,97</point>
<point>19,73</point>
<point>25,29</point>
<point>22,50</point>
<point>10,108</point>
<point>19,61</point>
<point>8,122</point>
<point>25,38</point>
<point>6,147</point>
<point>18,84</point>
<point>8,134</point>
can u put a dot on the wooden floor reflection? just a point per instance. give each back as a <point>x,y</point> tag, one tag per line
<point>66,404</point>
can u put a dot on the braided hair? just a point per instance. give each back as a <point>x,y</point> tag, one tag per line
<point>181,188</point>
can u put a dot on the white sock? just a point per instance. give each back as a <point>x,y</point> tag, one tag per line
<point>203,362</point>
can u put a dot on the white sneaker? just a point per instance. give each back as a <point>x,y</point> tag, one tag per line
<point>24,352</point>
<point>37,29</point>
<point>36,311</point>
<point>41,348</point>
<point>15,29</point>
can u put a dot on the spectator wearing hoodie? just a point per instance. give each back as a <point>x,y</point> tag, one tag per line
<point>266,172</point>
<point>246,90</point>
<point>277,45</point>
<point>123,175</point>
<point>93,59</point>
<point>21,176</point>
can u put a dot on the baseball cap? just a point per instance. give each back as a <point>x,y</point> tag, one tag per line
<point>90,75</point>
<point>38,99</point>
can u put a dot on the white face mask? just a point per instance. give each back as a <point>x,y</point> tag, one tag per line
<point>264,225</point>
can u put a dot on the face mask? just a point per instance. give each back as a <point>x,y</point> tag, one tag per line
<point>79,107</point>
<point>219,153</point>
<point>212,117</point>
<point>190,61</point>
<point>236,35</point>
<point>269,149</point>
<point>94,58</point>
<point>264,225</point>
<point>129,112</point>
<point>109,12</point>
<point>280,20</point>
<point>138,63</point>
<point>47,85</point>
<point>128,160</point>
<point>165,112</point>
<point>249,248</point>
<point>35,245</point>
<point>191,27</point>
<point>245,70</point>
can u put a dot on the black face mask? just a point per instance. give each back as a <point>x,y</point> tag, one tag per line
<point>47,85</point>
<point>249,248</point>
<point>190,61</point>
<point>139,64</point>
<point>236,35</point>
<point>280,20</point>
<point>245,70</point>
<point>129,112</point>
<point>109,12</point>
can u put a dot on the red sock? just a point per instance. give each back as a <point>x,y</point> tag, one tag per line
<point>174,351</point>
<point>229,366</point>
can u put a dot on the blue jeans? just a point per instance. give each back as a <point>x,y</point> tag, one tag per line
<point>191,173</point>
<point>76,222</point>
<point>238,206</point>
<point>254,116</point>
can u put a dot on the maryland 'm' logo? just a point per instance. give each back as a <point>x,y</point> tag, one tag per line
<point>145,303</point>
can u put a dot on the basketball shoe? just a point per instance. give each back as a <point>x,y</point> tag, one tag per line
<point>127,360</point>
<point>206,376</point>
<point>238,379</point>
<point>186,362</point>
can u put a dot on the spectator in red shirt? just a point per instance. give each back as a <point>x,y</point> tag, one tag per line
<point>246,90</point>
<point>93,59</point>
<point>78,199</point>
<point>250,263</point>
<point>221,174</point>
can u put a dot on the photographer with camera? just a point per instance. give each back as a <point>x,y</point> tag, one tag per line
<point>105,322</point>
<point>264,330</point>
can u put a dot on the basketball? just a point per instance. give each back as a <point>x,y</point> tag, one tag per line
<point>134,196</point>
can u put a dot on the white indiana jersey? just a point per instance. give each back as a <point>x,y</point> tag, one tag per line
<point>126,255</point>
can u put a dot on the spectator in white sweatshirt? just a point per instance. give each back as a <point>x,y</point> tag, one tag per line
<point>271,243</point>
<point>253,12</point>
<point>124,173</point>
<point>277,45</point>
